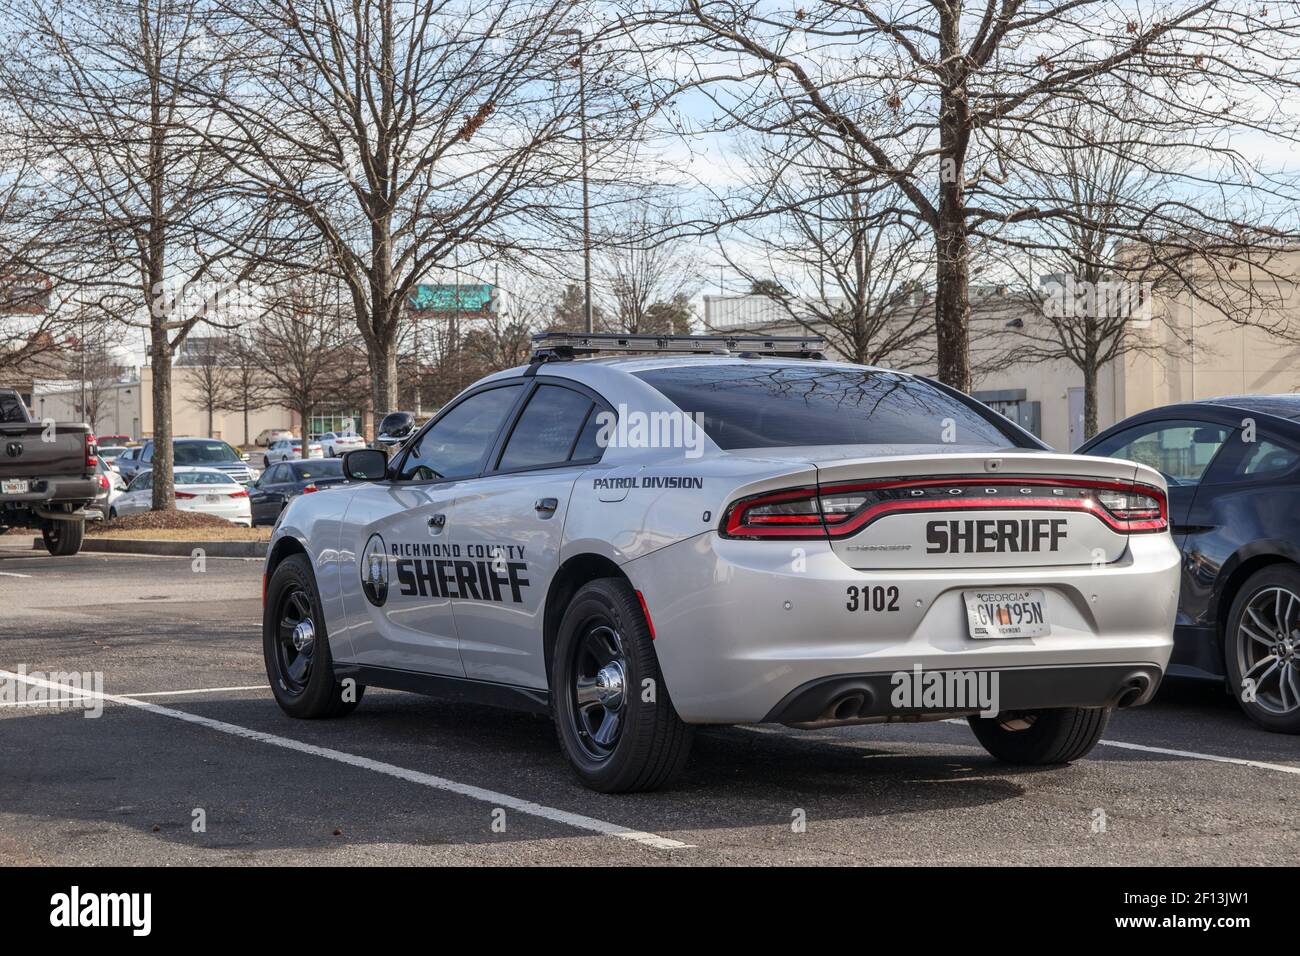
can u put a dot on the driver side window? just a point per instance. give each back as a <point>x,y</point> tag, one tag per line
<point>142,482</point>
<point>1179,450</point>
<point>457,444</point>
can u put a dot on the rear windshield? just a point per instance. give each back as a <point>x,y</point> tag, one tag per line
<point>204,453</point>
<point>203,478</point>
<point>774,406</point>
<point>325,468</point>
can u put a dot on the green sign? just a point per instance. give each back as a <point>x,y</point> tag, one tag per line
<point>451,299</point>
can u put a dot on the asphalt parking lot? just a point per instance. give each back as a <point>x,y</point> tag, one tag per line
<point>190,733</point>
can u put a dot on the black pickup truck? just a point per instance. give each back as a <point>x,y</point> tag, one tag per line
<point>47,475</point>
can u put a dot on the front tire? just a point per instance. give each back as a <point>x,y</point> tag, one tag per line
<point>63,538</point>
<point>1039,737</point>
<point>616,722</point>
<point>296,650</point>
<point>1262,648</point>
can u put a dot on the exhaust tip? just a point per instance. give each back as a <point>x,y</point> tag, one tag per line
<point>846,707</point>
<point>1134,690</point>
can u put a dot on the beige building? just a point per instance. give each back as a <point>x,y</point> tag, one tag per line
<point>1187,348</point>
<point>125,407</point>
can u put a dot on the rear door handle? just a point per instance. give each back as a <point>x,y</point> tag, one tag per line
<point>546,506</point>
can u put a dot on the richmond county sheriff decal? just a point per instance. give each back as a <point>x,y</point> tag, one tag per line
<point>474,572</point>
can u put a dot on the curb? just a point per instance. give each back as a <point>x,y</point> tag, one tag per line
<point>175,549</point>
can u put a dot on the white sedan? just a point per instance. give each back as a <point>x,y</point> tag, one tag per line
<point>197,489</point>
<point>336,443</point>
<point>291,449</point>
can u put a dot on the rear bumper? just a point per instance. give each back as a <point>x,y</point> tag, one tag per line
<point>875,698</point>
<point>741,626</point>
<point>56,490</point>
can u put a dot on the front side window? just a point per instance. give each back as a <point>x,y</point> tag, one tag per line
<point>11,409</point>
<point>545,432</point>
<point>456,445</point>
<point>763,405</point>
<point>1179,450</point>
<point>142,482</point>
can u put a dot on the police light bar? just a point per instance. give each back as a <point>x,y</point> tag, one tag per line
<point>565,345</point>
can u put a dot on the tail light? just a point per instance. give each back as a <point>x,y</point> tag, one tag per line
<point>92,452</point>
<point>308,489</point>
<point>241,493</point>
<point>837,511</point>
<point>185,494</point>
<point>103,482</point>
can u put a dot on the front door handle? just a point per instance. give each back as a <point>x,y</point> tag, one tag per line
<point>546,506</point>
<point>437,522</point>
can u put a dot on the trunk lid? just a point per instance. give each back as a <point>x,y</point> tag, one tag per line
<point>959,510</point>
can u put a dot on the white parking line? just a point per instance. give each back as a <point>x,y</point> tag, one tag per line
<point>196,690</point>
<point>576,820</point>
<point>1190,754</point>
<point>13,574</point>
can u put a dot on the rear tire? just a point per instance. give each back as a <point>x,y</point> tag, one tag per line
<point>603,670</point>
<point>1262,642</point>
<point>296,648</point>
<point>1042,736</point>
<point>63,538</point>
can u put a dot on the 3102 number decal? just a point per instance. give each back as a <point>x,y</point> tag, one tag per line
<point>872,598</point>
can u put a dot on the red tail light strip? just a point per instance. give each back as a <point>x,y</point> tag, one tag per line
<point>840,525</point>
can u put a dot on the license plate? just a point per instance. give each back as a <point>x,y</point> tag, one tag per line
<point>14,486</point>
<point>1006,614</point>
<point>213,499</point>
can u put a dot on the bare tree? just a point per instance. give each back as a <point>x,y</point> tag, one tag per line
<point>297,345</point>
<point>203,361</point>
<point>940,98</point>
<point>140,214</point>
<point>645,271</point>
<point>403,132</point>
<point>245,384</point>
<point>859,270</point>
<point>1088,273</point>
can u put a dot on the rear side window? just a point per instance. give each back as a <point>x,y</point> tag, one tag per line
<point>770,406</point>
<point>456,445</point>
<point>545,432</point>
<point>1179,450</point>
<point>11,409</point>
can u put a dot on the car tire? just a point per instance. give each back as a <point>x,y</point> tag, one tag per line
<point>623,735</point>
<point>299,665</point>
<point>1058,735</point>
<point>63,538</point>
<point>112,514</point>
<point>266,463</point>
<point>1271,658</point>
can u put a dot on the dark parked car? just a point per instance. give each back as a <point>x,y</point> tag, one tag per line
<point>1233,467</point>
<point>284,480</point>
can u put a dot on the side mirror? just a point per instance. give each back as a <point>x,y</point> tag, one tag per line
<point>365,464</point>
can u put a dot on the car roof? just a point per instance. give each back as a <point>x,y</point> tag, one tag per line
<point>1280,405</point>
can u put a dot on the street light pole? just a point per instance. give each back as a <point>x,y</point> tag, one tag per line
<point>586,187</point>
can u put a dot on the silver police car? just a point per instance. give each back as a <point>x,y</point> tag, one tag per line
<point>707,530</point>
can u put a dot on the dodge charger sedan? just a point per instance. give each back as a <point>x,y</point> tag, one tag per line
<point>727,531</point>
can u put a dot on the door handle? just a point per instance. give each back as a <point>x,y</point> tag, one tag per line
<point>437,522</point>
<point>546,506</point>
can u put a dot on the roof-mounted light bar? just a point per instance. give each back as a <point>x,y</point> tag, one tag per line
<point>560,346</point>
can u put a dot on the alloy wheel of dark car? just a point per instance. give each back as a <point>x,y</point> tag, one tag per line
<point>1268,650</point>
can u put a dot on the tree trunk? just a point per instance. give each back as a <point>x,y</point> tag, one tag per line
<point>160,356</point>
<point>383,371</point>
<point>952,245</point>
<point>1089,400</point>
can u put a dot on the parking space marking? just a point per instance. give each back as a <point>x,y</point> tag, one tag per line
<point>13,574</point>
<point>1242,761</point>
<point>576,820</point>
<point>196,690</point>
